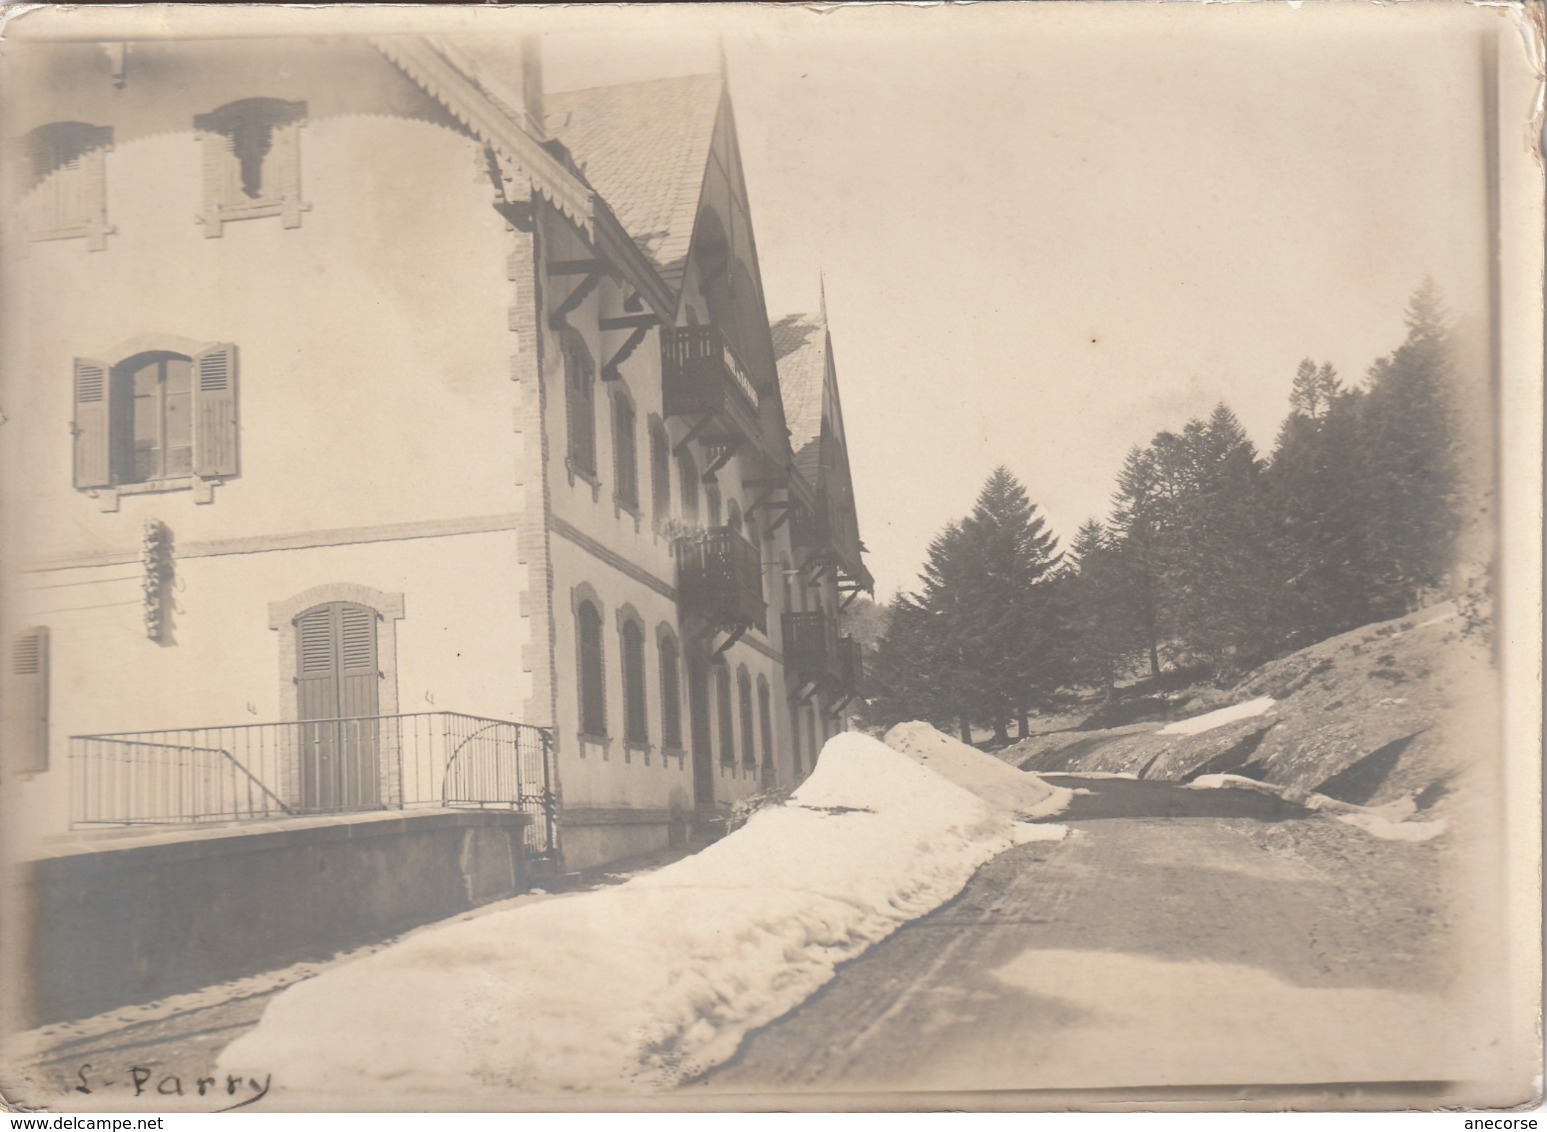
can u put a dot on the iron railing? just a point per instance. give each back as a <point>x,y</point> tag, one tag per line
<point>264,771</point>
<point>720,577</point>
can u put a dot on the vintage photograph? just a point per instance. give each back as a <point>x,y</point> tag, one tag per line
<point>752,557</point>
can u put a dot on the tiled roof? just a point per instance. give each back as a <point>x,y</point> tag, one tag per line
<point>800,349</point>
<point>644,146</point>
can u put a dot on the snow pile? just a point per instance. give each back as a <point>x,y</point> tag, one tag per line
<point>1198,724</point>
<point>1015,792</point>
<point>644,984</point>
<point>1388,822</point>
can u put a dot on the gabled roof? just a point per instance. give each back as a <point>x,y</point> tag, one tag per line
<point>644,147</point>
<point>800,349</point>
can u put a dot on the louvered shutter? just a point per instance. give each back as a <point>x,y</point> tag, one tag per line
<point>358,679</point>
<point>214,412</point>
<point>93,433</point>
<point>317,667</point>
<point>286,172</point>
<point>221,174</point>
<point>27,706</point>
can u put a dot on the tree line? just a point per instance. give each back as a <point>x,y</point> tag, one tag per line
<point>1212,558</point>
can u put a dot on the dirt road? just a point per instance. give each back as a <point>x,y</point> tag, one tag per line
<point>1176,938</point>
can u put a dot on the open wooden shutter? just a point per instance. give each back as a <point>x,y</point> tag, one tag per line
<point>214,412</point>
<point>93,434</point>
<point>26,708</point>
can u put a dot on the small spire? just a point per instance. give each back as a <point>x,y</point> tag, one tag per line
<point>724,69</point>
<point>822,288</point>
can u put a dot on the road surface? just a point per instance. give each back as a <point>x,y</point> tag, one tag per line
<point>1177,938</point>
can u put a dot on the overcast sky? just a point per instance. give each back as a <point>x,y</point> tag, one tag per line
<point>1049,232</point>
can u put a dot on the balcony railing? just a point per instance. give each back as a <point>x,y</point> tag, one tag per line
<point>701,374</point>
<point>266,771</point>
<point>811,647</point>
<point>720,578</point>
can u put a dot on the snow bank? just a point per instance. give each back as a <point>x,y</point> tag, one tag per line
<point>1198,724</point>
<point>641,985</point>
<point>1388,822</point>
<point>1016,792</point>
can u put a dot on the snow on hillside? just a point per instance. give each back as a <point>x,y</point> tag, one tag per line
<point>1198,724</point>
<point>642,985</point>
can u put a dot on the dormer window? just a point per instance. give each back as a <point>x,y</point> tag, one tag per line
<point>67,182</point>
<point>252,162</point>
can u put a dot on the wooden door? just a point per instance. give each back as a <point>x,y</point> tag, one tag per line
<point>337,681</point>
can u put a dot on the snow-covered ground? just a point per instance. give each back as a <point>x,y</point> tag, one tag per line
<point>1000,785</point>
<point>1388,822</point>
<point>642,985</point>
<point>1198,724</point>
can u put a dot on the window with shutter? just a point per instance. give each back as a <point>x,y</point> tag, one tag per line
<point>722,695</point>
<point>580,406</point>
<point>593,694</point>
<point>744,690</point>
<point>765,720</point>
<point>26,709</point>
<point>66,170</point>
<point>660,473</point>
<point>687,471</point>
<point>156,421</point>
<point>795,742</point>
<point>635,726</point>
<point>252,162</point>
<point>624,457</point>
<point>671,696</point>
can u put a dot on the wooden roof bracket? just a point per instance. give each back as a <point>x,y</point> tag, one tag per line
<point>692,435</point>
<point>610,371</point>
<point>579,294</point>
<point>726,452</point>
<point>729,641</point>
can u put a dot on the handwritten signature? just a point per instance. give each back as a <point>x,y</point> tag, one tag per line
<point>148,1082</point>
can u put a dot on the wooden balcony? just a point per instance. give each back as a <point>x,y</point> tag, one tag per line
<point>720,578</point>
<point>811,647</point>
<point>702,378</point>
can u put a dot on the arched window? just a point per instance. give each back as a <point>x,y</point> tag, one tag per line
<point>712,499</point>
<point>765,720</point>
<point>156,415</point>
<point>625,460</point>
<point>671,695</point>
<point>733,516</point>
<point>636,731</point>
<point>722,707</point>
<point>687,470</point>
<point>157,440</point>
<point>795,741</point>
<point>744,690</point>
<point>660,472</point>
<point>593,693</point>
<point>579,405</point>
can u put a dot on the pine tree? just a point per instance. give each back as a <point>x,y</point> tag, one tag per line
<point>1008,555</point>
<point>1410,440</point>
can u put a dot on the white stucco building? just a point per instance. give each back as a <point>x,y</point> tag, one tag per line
<point>363,380</point>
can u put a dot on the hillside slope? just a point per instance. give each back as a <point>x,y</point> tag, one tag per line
<point>1390,710</point>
